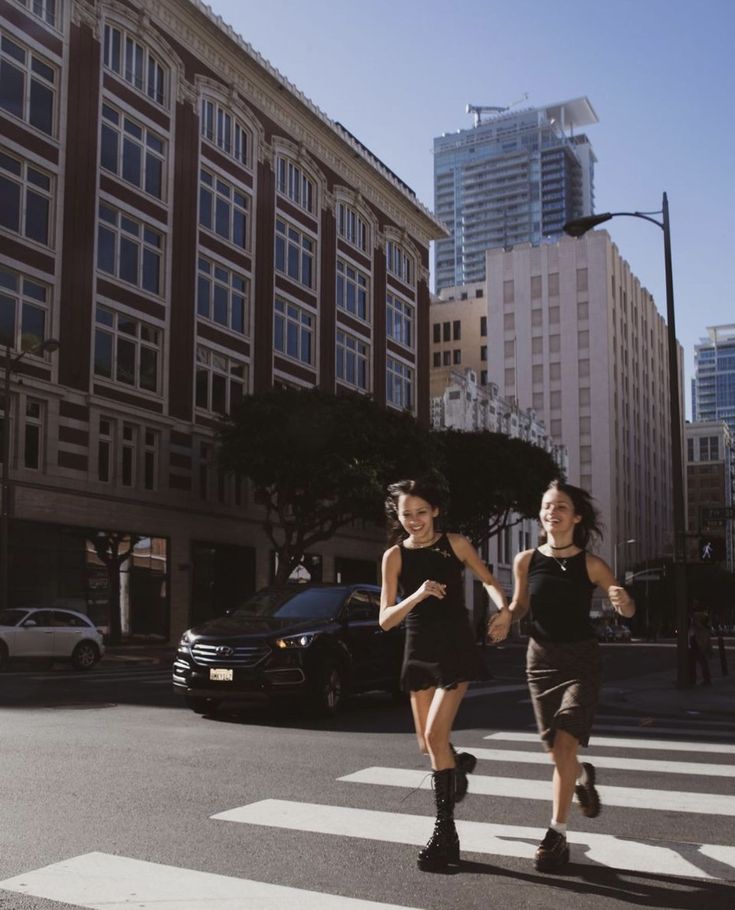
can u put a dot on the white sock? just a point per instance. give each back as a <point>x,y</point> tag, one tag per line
<point>582,779</point>
<point>561,827</point>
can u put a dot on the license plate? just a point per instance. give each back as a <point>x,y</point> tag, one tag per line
<point>221,674</point>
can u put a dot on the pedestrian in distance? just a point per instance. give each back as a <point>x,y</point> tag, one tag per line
<point>423,585</point>
<point>563,667</point>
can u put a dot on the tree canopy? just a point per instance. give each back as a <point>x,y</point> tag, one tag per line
<point>318,462</point>
<point>490,478</point>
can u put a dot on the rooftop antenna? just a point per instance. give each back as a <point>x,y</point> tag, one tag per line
<point>477,110</point>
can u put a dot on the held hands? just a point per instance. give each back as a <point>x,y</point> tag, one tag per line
<point>499,626</point>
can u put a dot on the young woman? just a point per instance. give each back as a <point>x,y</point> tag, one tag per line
<point>426,566</point>
<point>563,661</point>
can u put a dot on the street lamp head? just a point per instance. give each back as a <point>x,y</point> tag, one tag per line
<point>632,540</point>
<point>579,226</point>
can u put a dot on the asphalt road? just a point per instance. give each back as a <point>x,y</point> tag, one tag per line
<point>107,775</point>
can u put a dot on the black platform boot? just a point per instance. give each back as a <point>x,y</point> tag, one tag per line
<point>464,764</point>
<point>442,849</point>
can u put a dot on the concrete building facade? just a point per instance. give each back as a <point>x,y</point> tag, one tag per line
<point>515,177</point>
<point>573,335</point>
<point>192,229</point>
<point>710,465</point>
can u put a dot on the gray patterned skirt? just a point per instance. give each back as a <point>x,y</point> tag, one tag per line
<point>564,680</point>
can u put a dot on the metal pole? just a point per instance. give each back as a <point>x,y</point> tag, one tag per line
<point>5,508</point>
<point>677,476</point>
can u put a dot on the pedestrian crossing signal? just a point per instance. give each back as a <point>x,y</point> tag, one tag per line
<point>712,549</point>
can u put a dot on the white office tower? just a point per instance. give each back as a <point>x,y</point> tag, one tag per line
<point>516,176</point>
<point>572,334</point>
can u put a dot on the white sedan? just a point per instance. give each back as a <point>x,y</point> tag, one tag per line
<point>52,634</point>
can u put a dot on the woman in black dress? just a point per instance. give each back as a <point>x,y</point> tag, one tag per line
<point>426,566</point>
<point>563,666</point>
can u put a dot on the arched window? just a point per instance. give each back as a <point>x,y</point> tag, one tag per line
<point>133,62</point>
<point>399,262</point>
<point>223,129</point>
<point>295,184</point>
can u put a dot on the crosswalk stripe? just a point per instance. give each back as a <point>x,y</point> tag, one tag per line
<point>624,762</point>
<point>664,731</point>
<point>476,837</point>
<point>517,788</point>
<point>100,881</point>
<point>629,743</point>
<point>693,720</point>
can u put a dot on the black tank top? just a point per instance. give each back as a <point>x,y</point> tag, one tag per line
<point>436,563</point>
<point>560,598</point>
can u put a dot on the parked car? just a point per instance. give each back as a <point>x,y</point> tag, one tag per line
<point>316,642</point>
<point>50,634</point>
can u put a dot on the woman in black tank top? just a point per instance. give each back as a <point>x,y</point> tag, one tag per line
<point>556,582</point>
<point>426,567</point>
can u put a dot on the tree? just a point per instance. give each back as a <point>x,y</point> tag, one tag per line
<point>318,462</point>
<point>113,548</point>
<point>490,477</point>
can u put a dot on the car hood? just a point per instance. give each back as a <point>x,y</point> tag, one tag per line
<point>243,627</point>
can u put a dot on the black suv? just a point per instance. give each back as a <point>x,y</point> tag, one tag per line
<point>316,642</point>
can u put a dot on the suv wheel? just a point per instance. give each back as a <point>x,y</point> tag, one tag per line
<point>328,689</point>
<point>85,655</point>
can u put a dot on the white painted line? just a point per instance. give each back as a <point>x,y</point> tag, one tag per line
<point>475,837</point>
<point>693,719</point>
<point>623,763</point>
<point>612,742</point>
<point>724,855</point>
<point>100,881</point>
<point>517,788</point>
<point>664,731</point>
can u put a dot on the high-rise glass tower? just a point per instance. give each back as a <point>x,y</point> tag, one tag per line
<point>713,386</point>
<point>514,177</point>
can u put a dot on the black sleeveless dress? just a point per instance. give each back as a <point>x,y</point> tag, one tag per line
<point>563,664</point>
<point>440,650</point>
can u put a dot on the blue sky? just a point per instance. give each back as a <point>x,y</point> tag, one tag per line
<point>659,73</point>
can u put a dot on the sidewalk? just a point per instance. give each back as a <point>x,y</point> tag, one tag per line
<point>656,694</point>
<point>144,653</point>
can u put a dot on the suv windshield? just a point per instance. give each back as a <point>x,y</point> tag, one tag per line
<point>287,603</point>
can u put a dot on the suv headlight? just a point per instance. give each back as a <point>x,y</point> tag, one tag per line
<point>185,641</point>
<point>296,641</point>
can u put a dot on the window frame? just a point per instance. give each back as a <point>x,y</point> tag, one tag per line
<point>294,237</point>
<point>123,135</point>
<point>240,134</point>
<point>148,57</point>
<point>398,377</point>
<point>296,184</point>
<point>112,330</point>
<point>352,351</point>
<point>20,177</point>
<point>400,320</point>
<point>30,77</point>
<point>204,363</point>
<point>290,318</point>
<point>400,263</point>
<point>226,279</point>
<point>22,300</point>
<point>239,212</point>
<point>144,245</point>
<point>342,294</point>
<point>353,227</point>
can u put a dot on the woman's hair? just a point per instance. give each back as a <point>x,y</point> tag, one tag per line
<point>424,489</point>
<point>590,527</point>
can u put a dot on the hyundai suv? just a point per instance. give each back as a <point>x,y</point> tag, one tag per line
<point>315,642</point>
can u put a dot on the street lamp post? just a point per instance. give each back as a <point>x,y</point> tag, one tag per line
<point>10,362</point>
<point>622,543</point>
<point>576,228</point>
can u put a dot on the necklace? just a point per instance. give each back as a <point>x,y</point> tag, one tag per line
<point>565,547</point>
<point>425,546</point>
<point>562,563</point>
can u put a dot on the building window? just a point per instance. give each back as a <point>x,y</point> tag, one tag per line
<point>554,344</point>
<point>508,291</point>
<point>150,459</point>
<point>483,377</point>
<point>446,358</point>
<point>582,280</point>
<point>437,358</point>
<point>483,326</point>
<point>447,331</point>
<point>509,349</point>
<point>294,183</point>
<point>104,450</point>
<point>25,199</point>
<point>535,287</point>
<point>537,373</point>
<point>47,10</point>
<point>537,345</point>
<point>583,310</point>
<point>583,339</point>
<point>294,254</point>
<point>456,357</point>
<point>293,331</point>
<point>483,353</point>
<point>555,401</point>
<point>399,262</point>
<point>437,328</point>
<point>585,426</point>
<point>583,368</point>
<point>554,315</point>
<point>223,296</point>
<point>27,85</point>
<point>220,381</point>
<point>224,209</point>
<point>352,360</point>
<point>129,249</point>
<point>220,128</point>
<point>33,434</point>
<point>132,151</point>
<point>134,63</point>
<point>399,318</point>
<point>554,370</point>
<point>352,227</point>
<point>23,310</point>
<point>352,290</point>
<point>126,350</point>
<point>399,384</point>
<point>690,450</point>
<point>553,284</point>
<point>537,318</point>
<point>457,330</point>
<point>128,450</point>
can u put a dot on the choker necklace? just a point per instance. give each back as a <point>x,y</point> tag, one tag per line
<point>425,546</point>
<point>565,547</point>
